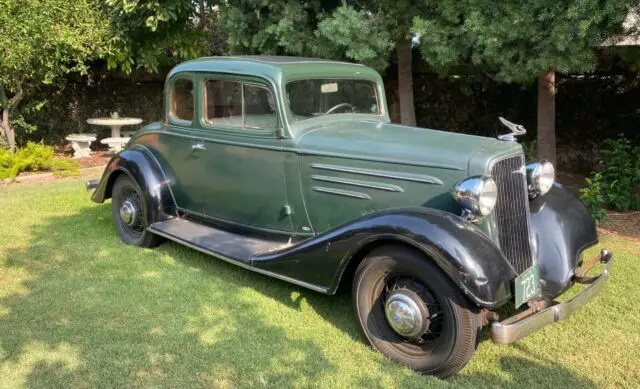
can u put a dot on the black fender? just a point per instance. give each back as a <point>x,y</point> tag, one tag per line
<point>143,168</point>
<point>470,259</point>
<point>562,228</point>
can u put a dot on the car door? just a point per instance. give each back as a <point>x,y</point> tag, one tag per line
<point>235,166</point>
<point>172,147</point>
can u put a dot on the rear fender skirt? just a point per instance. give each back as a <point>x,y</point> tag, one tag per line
<point>466,255</point>
<point>141,166</point>
<point>562,228</point>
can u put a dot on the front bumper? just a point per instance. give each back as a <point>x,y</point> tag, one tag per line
<point>548,312</point>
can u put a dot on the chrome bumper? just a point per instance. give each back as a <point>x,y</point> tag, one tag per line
<point>527,322</point>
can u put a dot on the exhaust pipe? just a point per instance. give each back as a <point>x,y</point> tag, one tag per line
<point>91,184</point>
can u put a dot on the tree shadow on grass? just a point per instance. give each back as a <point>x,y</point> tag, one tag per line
<point>100,313</point>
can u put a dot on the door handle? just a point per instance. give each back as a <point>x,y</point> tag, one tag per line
<point>198,146</point>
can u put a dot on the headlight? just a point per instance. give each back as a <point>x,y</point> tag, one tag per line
<point>540,177</point>
<point>477,195</point>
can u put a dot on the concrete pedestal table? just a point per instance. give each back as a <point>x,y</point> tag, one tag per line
<point>115,141</point>
<point>80,144</point>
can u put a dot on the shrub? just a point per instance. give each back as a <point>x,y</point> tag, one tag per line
<point>593,199</point>
<point>615,185</point>
<point>33,157</point>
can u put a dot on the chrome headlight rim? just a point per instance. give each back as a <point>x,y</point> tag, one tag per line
<point>477,195</point>
<point>541,175</point>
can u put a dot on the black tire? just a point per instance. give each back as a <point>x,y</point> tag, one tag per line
<point>125,189</point>
<point>453,327</point>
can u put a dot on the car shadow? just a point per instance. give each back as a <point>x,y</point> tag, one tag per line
<point>94,312</point>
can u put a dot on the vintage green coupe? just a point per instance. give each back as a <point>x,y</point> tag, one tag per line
<point>290,167</point>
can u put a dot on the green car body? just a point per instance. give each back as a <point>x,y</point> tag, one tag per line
<point>317,199</point>
<point>295,164</point>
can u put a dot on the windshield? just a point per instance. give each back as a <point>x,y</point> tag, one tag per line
<point>317,97</point>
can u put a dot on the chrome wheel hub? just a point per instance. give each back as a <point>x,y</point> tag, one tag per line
<point>129,213</point>
<point>406,313</point>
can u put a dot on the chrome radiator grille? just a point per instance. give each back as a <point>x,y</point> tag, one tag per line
<point>512,211</point>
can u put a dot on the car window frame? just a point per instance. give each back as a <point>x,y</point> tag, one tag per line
<point>378,88</point>
<point>170,114</point>
<point>237,130</point>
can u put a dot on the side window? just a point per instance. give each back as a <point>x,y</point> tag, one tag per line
<point>236,104</point>
<point>259,107</point>
<point>223,103</point>
<point>182,100</point>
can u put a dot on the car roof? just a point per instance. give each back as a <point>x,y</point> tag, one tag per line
<point>276,68</point>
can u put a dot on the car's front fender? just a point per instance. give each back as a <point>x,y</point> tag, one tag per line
<point>470,259</point>
<point>141,166</point>
<point>562,228</point>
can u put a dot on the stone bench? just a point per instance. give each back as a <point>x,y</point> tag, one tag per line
<point>115,144</point>
<point>81,144</point>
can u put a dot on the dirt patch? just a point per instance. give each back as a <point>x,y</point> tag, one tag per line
<point>97,158</point>
<point>622,224</point>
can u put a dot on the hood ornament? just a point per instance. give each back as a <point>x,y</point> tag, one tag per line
<point>516,130</point>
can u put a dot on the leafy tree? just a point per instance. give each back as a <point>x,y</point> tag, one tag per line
<point>516,41</point>
<point>41,40</point>
<point>150,34</point>
<point>369,32</point>
<point>364,31</point>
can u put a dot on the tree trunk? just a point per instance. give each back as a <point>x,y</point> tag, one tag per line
<point>8,106</point>
<point>5,130</point>
<point>547,115</point>
<point>9,132</point>
<point>203,15</point>
<point>405,83</point>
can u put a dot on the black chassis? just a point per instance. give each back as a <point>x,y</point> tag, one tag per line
<point>561,230</point>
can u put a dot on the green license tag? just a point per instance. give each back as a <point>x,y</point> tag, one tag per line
<point>527,285</point>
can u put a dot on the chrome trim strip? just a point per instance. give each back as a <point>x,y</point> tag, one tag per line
<point>341,192</point>
<point>511,329</point>
<point>380,173</point>
<point>378,159</point>
<point>239,263</point>
<point>365,184</point>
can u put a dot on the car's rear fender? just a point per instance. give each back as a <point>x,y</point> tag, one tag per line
<point>470,259</point>
<point>141,166</point>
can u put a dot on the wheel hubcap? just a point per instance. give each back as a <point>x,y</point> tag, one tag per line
<point>129,213</point>
<point>406,313</point>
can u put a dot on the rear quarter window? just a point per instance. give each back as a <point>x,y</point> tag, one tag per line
<point>182,103</point>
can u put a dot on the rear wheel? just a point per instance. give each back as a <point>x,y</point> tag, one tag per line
<point>127,210</point>
<point>412,313</point>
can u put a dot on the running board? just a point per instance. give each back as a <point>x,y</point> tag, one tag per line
<point>210,240</point>
<point>233,248</point>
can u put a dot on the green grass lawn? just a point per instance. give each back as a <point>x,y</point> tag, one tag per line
<point>80,309</point>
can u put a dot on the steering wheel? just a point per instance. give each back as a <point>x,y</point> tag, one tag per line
<point>341,105</point>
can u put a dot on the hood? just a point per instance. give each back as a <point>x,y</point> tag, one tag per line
<point>376,140</point>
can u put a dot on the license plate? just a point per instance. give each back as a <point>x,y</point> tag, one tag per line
<point>527,285</point>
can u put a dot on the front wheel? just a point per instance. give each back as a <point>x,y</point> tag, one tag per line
<point>412,313</point>
<point>127,210</point>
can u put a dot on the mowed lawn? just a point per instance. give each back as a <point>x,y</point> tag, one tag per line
<point>79,309</point>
